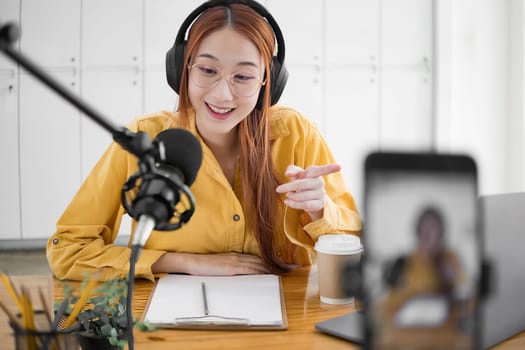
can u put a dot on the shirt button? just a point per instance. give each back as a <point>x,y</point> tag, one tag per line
<point>55,240</point>
<point>236,217</point>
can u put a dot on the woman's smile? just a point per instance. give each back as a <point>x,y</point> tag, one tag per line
<point>220,113</point>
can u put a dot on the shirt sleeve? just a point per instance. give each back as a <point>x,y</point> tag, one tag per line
<point>84,240</point>
<point>340,213</point>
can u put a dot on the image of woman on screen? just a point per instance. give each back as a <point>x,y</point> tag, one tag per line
<point>268,185</point>
<point>425,297</point>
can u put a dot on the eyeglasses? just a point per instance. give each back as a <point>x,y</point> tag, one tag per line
<point>244,84</point>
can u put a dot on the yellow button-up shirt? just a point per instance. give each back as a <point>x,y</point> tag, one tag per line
<point>87,229</point>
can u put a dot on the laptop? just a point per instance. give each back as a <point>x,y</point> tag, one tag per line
<point>503,312</point>
<point>349,327</point>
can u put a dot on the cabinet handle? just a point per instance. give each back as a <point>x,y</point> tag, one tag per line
<point>8,72</point>
<point>426,64</point>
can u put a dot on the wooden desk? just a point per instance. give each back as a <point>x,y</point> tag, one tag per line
<point>302,305</point>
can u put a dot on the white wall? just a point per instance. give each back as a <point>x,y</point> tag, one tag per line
<point>363,70</point>
<point>479,98</point>
<point>516,125</point>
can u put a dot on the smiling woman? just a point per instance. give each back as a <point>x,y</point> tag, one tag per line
<point>224,100</point>
<point>268,186</point>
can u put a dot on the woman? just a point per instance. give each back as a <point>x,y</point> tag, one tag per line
<point>267,187</point>
<point>424,304</point>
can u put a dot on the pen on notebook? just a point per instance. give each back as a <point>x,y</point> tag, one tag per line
<point>205,299</point>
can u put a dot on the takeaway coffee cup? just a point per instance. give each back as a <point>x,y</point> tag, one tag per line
<point>334,252</point>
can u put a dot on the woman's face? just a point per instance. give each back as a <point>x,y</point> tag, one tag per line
<point>431,234</point>
<point>222,106</point>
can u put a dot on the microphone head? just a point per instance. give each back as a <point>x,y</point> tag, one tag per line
<point>183,151</point>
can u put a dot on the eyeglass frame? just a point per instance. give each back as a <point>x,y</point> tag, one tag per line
<point>222,76</point>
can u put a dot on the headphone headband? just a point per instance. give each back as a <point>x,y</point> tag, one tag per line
<point>175,56</point>
<point>260,9</point>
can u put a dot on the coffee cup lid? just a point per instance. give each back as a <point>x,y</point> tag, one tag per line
<point>338,243</point>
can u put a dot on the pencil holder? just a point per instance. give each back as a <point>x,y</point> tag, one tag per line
<point>43,338</point>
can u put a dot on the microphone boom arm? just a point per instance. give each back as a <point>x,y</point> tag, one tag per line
<point>136,143</point>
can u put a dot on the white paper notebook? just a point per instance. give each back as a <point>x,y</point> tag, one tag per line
<point>245,301</point>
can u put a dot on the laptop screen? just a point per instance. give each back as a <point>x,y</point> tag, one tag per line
<point>503,313</point>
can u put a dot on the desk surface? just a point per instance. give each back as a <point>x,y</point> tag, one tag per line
<point>302,304</point>
<point>303,308</point>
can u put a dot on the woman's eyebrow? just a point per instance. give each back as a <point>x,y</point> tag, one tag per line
<point>242,63</point>
<point>207,55</point>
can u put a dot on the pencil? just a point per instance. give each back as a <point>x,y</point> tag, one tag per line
<point>12,291</point>
<point>205,299</point>
<point>10,315</point>
<point>45,306</point>
<point>81,302</point>
<point>28,319</point>
<point>28,308</point>
<point>48,315</point>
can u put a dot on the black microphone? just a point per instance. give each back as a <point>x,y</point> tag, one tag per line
<point>183,153</point>
<point>164,174</point>
<point>177,159</point>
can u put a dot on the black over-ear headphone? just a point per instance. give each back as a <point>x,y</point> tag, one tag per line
<point>175,56</point>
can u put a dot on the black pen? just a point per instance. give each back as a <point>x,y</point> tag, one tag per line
<point>205,299</point>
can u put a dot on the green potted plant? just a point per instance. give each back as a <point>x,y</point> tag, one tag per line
<point>102,322</point>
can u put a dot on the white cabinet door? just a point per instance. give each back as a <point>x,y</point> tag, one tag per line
<point>406,108</point>
<point>304,92</point>
<point>51,32</point>
<point>9,13</point>
<point>49,154</point>
<point>304,53</point>
<point>352,126</point>
<point>111,33</point>
<point>112,61</point>
<point>9,155</point>
<point>49,126</point>
<point>117,96</point>
<point>406,87</point>
<point>162,20</point>
<point>351,106</point>
<point>9,184</point>
<point>301,23</point>
<point>352,29</point>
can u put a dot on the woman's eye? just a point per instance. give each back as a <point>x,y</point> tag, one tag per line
<point>243,78</point>
<point>207,70</point>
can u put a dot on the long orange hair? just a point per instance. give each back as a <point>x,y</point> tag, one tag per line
<point>258,178</point>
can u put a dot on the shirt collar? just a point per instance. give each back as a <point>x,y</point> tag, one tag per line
<point>278,127</point>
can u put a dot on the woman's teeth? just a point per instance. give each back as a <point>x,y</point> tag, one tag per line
<point>220,110</point>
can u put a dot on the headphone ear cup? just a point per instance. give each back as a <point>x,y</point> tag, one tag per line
<point>175,65</point>
<point>279,78</point>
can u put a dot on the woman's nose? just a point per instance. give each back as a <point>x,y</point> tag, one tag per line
<point>223,89</point>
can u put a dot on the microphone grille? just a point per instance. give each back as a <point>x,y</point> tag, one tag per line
<point>183,151</point>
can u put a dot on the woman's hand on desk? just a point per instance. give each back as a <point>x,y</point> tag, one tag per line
<point>224,264</point>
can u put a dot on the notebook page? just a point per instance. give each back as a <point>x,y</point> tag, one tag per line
<point>256,298</point>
